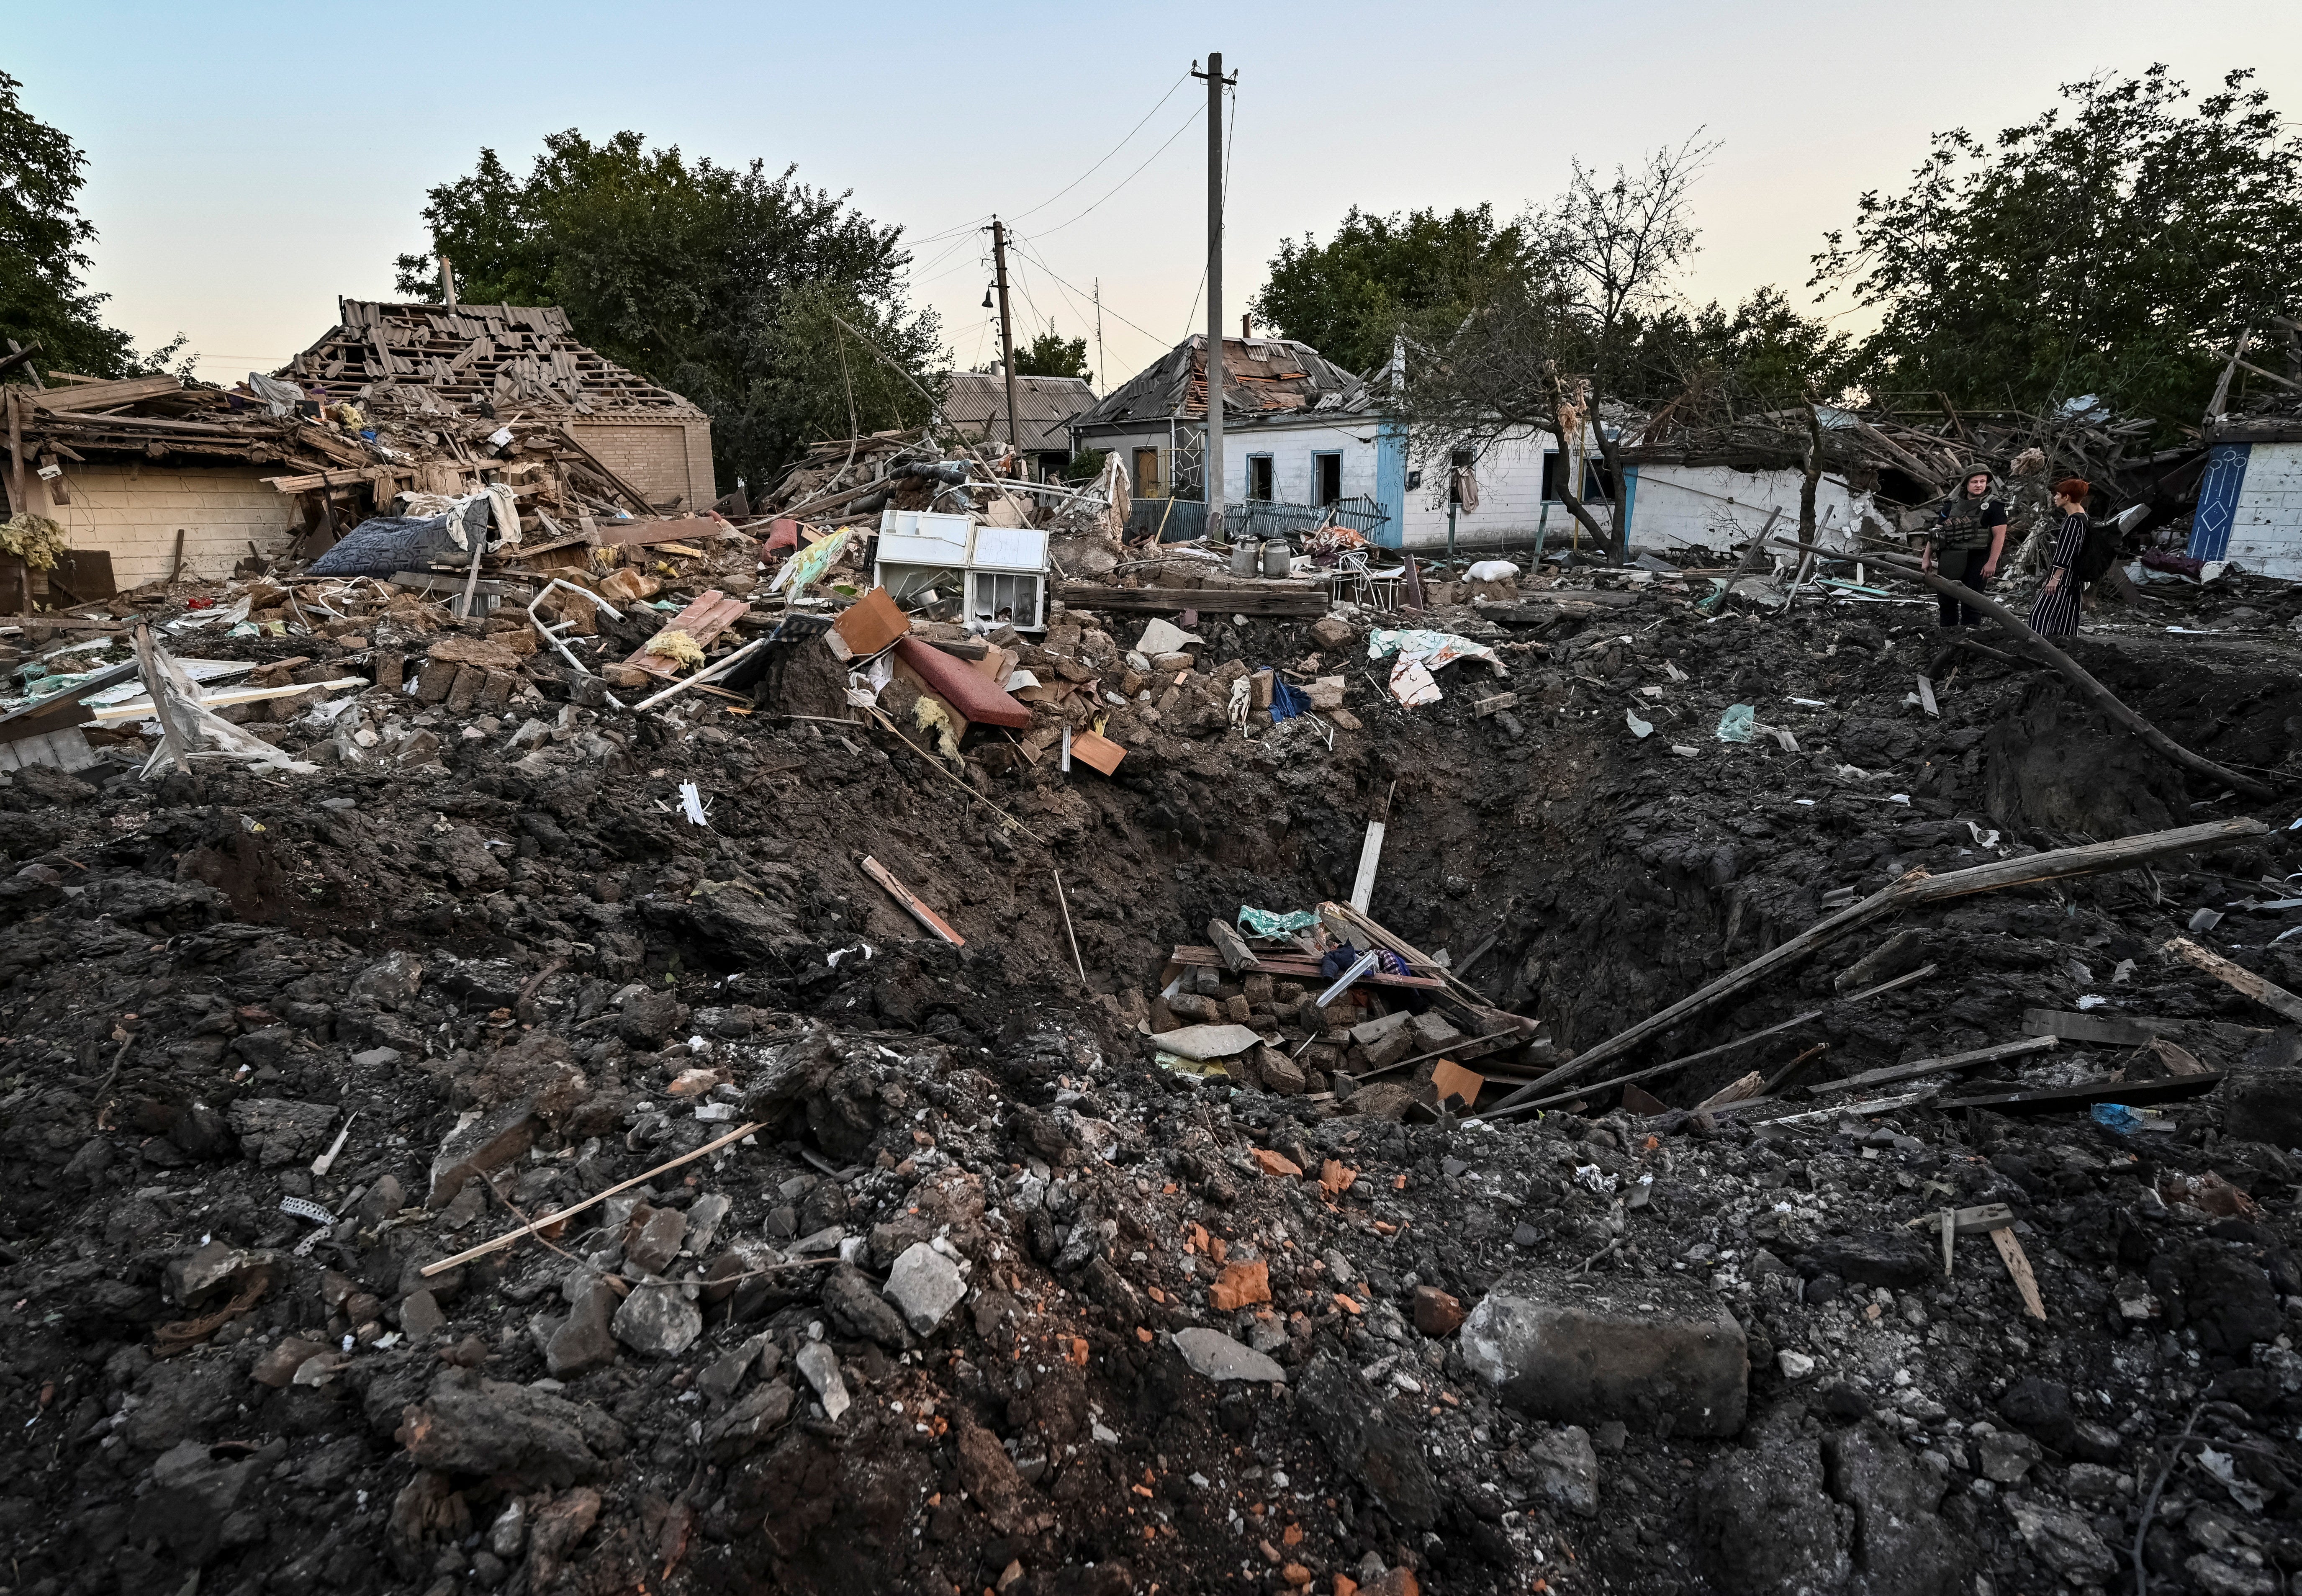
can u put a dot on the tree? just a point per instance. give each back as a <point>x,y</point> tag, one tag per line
<point>1052,355</point>
<point>2115,245</point>
<point>1537,347</point>
<point>1761,356</point>
<point>727,284</point>
<point>44,243</point>
<point>1349,298</point>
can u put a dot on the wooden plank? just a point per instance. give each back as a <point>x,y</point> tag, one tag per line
<point>1913,889</point>
<point>1969,1222</point>
<point>103,396</point>
<point>2174,1089</point>
<point>710,613</point>
<point>2268,994</point>
<point>2018,1265</point>
<point>1292,967</point>
<point>137,709</point>
<point>1370,857</point>
<point>2111,1030</point>
<point>1272,600</point>
<point>903,894</point>
<point>1919,1068</point>
<point>624,534</point>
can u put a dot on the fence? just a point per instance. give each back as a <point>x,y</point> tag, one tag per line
<point>1179,520</point>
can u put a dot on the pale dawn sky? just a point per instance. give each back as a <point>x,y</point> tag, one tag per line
<point>248,164</point>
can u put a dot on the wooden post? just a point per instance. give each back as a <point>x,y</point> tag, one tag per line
<point>2269,995</point>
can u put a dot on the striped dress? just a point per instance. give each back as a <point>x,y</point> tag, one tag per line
<point>2056,613</point>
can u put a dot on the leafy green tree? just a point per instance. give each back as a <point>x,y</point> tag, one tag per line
<point>44,241</point>
<point>1762,355</point>
<point>1348,296</point>
<point>775,306</point>
<point>1052,355</point>
<point>2116,244</point>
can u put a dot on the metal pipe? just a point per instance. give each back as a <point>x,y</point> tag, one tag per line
<point>553,632</point>
<point>697,680</point>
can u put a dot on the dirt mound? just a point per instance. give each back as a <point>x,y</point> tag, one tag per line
<point>992,1296</point>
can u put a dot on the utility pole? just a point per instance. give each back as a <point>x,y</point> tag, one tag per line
<point>1211,465</point>
<point>1099,334</point>
<point>1006,329</point>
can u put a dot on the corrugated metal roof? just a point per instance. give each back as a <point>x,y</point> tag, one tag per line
<point>1263,378</point>
<point>976,402</point>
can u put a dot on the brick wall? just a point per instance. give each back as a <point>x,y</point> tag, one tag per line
<point>2267,530</point>
<point>132,512</point>
<point>663,459</point>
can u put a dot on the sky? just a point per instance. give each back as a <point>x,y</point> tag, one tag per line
<point>249,165</point>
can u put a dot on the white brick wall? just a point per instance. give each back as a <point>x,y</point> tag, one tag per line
<point>1715,507</point>
<point>1290,449</point>
<point>1676,507</point>
<point>2266,528</point>
<point>132,512</point>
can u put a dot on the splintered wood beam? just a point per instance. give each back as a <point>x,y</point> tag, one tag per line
<point>2018,1265</point>
<point>1912,890</point>
<point>935,923</point>
<point>2268,994</point>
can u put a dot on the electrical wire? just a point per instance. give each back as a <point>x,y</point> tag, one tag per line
<point>1041,262</point>
<point>969,226</point>
<point>1114,149</point>
<point>1130,177</point>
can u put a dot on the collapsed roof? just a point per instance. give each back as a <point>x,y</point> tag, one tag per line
<point>1265,379</point>
<point>976,405</point>
<point>485,357</point>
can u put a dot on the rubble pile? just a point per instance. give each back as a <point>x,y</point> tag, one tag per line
<point>517,1140</point>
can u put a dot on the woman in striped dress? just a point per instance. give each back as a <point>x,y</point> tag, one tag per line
<point>2056,612</point>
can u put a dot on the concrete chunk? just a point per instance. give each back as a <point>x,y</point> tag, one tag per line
<point>1367,1033</point>
<point>1217,1357</point>
<point>925,1286</point>
<point>1583,1365</point>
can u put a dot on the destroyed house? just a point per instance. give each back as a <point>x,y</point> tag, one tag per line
<point>2249,496</point>
<point>975,406</point>
<point>517,360</point>
<point>150,480</point>
<point>1297,429</point>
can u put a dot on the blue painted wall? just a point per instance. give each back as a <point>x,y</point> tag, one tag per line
<point>1390,481</point>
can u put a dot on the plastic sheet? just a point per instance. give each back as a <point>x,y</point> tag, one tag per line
<point>1268,922</point>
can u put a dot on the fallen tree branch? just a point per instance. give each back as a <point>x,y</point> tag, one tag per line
<point>2077,675</point>
<point>1916,889</point>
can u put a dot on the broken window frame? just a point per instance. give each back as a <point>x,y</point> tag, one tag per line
<point>1261,479</point>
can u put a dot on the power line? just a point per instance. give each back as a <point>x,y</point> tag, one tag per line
<point>1041,261</point>
<point>1130,177</point>
<point>1114,149</point>
<point>1075,182</point>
